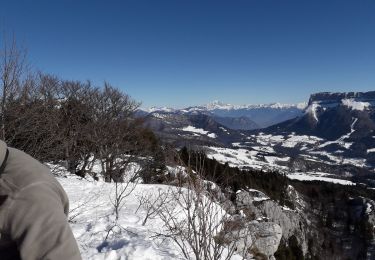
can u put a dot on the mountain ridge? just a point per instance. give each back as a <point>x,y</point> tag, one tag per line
<point>243,117</point>
<point>216,104</point>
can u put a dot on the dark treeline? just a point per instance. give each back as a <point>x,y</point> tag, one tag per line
<point>340,214</point>
<point>270,182</point>
<point>337,211</point>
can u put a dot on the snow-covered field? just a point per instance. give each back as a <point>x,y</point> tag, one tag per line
<point>244,158</point>
<point>200,131</point>
<point>315,176</point>
<point>101,237</point>
<point>92,220</point>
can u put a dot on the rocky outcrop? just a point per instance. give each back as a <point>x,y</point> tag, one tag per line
<point>257,205</point>
<point>266,237</point>
<point>349,235</point>
<point>329,97</point>
<point>259,240</point>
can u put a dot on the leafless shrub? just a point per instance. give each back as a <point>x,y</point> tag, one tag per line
<point>122,191</point>
<point>152,204</point>
<point>199,225</point>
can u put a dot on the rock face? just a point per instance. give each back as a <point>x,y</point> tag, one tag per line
<point>346,121</point>
<point>259,240</point>
<point>329,97</point>
<point>266,237</point>
<point>304,223</point>
<point>290,221</point>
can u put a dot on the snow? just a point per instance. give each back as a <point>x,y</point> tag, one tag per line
<point>355,105</point>
<point>372,150</point>
<point>244,158</point>
<point>212,135</point>
<point>194,130</point>
<point>273,159</point>
<point>368,208</point>
<point>290,141</point>
<point>259,196</point>
<point>360,162</point>
<point>293,140</point>
<point>198,131</point>
<point>340,141</point>
<point>218,105</point>
<point>223,129</point>
<point>269,139</point>
<point>264,149</point>
<point>313,176</point>
<point>101,237</point>
<point>158,115</point>
<point>160,109</point>
<point>239,145</point>
<point>91,203</point>
<point>312,110</point>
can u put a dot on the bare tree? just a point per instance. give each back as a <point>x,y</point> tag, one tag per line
<point>198,224</point>
<point>115,132</point>
<point>77,122</point>
<point>12,68</point>
<point>152,203</point>
<point>121,148</point>
<point>32,119</point>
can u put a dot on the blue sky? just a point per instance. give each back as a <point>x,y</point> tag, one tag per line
<point>187,52</point>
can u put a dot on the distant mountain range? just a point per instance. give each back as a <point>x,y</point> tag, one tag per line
<point>332,133</point>
<point>244,117</point>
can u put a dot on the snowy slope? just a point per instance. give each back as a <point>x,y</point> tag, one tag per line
<point>93,217</point>
<point>101,237</point>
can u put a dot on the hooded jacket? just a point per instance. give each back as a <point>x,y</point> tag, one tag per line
<point>33,211</point>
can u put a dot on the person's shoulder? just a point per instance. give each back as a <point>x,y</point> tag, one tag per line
<point>23,170</point>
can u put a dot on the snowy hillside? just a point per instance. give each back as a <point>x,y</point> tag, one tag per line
<point>101,237</point>
<point>137,233</point>
<point>93,219</point>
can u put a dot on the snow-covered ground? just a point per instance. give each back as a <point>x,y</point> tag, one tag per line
<point>293,140</point>
<point>101,237</point>
<point>255,159</point>
<point>198,131</point>
<point>316,176</point>
<point>92,218</point>
<point>244,158</point>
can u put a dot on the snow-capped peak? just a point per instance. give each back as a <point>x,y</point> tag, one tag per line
<point>216,105</point>
<point>160,109</point>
